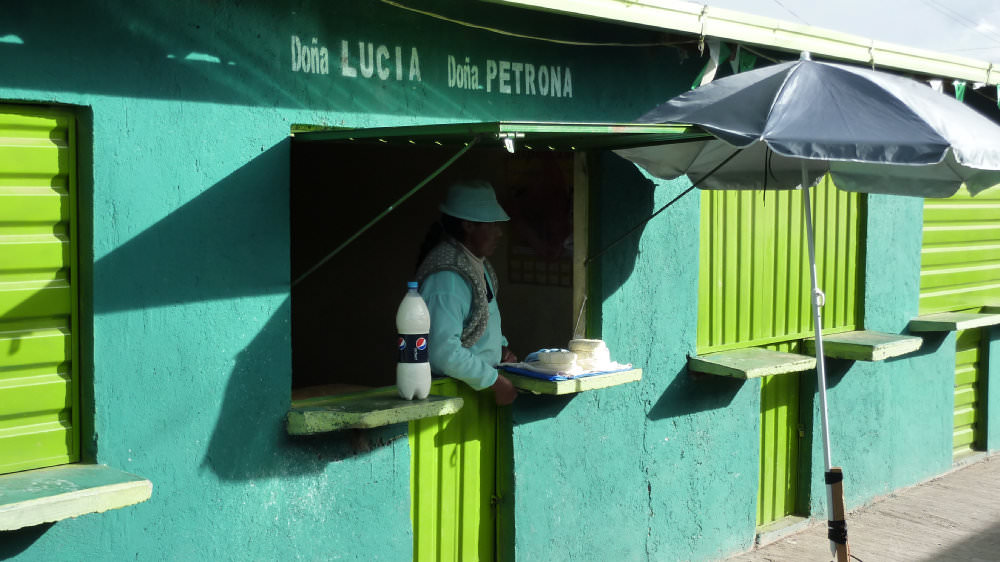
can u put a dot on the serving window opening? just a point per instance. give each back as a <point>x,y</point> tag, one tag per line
<point>343,314</point>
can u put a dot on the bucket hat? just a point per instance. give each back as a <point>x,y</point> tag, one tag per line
<point>473,201</point>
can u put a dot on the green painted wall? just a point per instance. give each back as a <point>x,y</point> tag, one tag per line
<point>663,469</point>
<point>185,109</point>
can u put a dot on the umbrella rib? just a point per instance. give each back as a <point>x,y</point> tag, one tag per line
<point>694,184</point>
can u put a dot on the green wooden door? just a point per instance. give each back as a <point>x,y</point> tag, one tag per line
<point>779,445</point>
<point>754,290</point>
<point>970,372</point>
<point>38,305</point>
<point>453,479</point>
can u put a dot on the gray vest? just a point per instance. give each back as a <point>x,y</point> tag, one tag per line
<point>449,256</point>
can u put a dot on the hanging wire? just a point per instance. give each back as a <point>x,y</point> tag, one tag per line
<point>768,171</point>
<point>994,100</point>
<point>534,37</point>
<point>399,201</point>
<point>694,184</point>
<point>762,55</point>
<point>579,317</point>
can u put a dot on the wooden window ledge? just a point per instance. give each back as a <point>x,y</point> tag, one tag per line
<point>751,363</point>
<point>46,495</point>
<point>572,386</point>
<point>865,345</point>
<point>954,321</point>
<point>374,408</point>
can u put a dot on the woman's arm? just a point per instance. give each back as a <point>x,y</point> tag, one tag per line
<point>449,300</point>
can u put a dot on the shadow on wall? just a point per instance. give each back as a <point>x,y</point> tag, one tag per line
<point>180,50</point>
<point>229,242</point>
<point>689,393</point>
<point>205,250</point>
<point>17,542</point>
<point>251,52</point>
<point>249,440</point>
<point>932,343</point>
<point>529,408</point>
<point>209,248</point>
<point>836,370</point>
<point>624,200</point>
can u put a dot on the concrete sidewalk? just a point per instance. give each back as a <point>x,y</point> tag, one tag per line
<point>954,517</point>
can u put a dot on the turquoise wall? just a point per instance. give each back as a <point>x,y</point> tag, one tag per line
<point>663,469</point>
<point>890,421</point>
<point>185,111</point>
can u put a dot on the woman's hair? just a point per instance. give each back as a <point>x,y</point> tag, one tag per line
<point>446,225</point>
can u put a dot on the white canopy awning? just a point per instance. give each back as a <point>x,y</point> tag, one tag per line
<point>728,25</point>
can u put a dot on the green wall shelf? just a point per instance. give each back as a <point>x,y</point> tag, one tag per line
<point>572,386</point>
<point>751,363</point>
<point>865,345</point>
<point>375,408</point>
<point>45,495</point>
<point>952,321</point>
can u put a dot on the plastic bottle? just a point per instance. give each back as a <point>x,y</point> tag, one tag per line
<point>413,322</point>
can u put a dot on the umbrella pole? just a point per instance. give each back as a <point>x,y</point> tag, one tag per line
<point>837,526</point>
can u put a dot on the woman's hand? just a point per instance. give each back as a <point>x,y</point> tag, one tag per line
<point>507,356</point>
<point>503,391</point>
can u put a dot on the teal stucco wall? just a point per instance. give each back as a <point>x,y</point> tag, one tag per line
<point>890,421</point>
<point>185,109</point>
<point>664,469</point>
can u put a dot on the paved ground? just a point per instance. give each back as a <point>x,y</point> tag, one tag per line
<point>955,517</point>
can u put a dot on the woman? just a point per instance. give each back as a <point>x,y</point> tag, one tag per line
<point>460,286</point>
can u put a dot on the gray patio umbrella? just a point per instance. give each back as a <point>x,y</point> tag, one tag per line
<point>786,126</point>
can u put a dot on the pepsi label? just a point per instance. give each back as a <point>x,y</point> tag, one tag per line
<point>413,348</point>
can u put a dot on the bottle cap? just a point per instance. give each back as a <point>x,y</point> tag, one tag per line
<point>411,284</point>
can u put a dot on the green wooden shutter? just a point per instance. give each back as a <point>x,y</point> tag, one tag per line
<point>970,371</point>
<point>960,257</point>
<point>38,304</point>
<point>753,282</point>
<point>453,479</point>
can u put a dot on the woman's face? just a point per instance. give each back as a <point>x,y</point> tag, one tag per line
<point>481,238</point>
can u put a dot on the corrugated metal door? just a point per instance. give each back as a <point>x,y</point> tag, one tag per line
<point>779,446</point>
<point>969,371</point>
<point>453,477</point>
<point>38,304</point>
<point>960,257</point>
<point>753,285</point>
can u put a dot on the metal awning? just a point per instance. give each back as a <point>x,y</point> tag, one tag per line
<point>527,135</point>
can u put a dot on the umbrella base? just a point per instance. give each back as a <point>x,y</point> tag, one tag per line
<point>837,523</point>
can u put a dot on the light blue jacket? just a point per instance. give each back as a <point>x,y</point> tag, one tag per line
<point>449,299</point>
